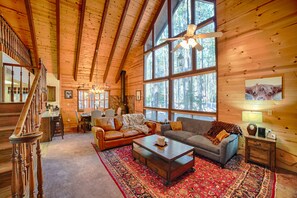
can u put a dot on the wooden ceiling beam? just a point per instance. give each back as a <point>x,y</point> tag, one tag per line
<point>116,39</point>
<point>81,24</point>
<point>131,40</point>
<point>58,38</point>
<point>106,4</point>
<point>153,22</point>
<point>32,31</point>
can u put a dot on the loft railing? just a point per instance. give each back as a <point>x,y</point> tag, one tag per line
<point>11,44</point>
<point>16,82</point>
<point>26,140</point>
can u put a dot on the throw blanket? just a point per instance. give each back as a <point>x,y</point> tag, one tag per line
<point>135,121</point>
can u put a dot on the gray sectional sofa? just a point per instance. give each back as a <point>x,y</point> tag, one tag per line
<point>193,134</point>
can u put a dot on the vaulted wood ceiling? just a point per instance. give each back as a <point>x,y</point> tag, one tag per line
<point>72,30</point>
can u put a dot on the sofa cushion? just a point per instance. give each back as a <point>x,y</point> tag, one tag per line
<point>178,135</point>
<point>111,135</point>
<point>106,123</point>
<point>202,142</point>
<point>130,133</point>
<point>195,126</point>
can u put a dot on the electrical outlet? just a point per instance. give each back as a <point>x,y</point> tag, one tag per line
<point>269,112</point>
<point>68,120</point>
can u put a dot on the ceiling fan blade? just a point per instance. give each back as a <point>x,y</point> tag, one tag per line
<point>209,35</point>
<point>191,29</point>
<point>172,39</point>
<point>198,47</point>
<point>176,47</point>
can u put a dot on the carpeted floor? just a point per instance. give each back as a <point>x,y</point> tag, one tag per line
<point>71,168</point>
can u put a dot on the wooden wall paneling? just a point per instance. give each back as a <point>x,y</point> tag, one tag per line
<point>58,39</point>
<point>80,30</point>
<point>32,31</point>
<point>131,40</point>
<point>115,42</point>
<point>94,61</point>
<point>258,42</point>
<point>44,14</point>
<point>69,31</point>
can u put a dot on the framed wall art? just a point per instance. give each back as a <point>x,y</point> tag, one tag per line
<point>264,89</point>
<point>68,94</point>
<point>138,95</point>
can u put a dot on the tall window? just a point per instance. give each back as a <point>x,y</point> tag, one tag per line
<point>90,100</point>
<point>181,83</point>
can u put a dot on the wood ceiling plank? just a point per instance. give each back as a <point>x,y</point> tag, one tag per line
<point>81,24</point>
<point>115,42</point>
<point>32,31</point>
<point>131,40</point>
<point>99,39</point>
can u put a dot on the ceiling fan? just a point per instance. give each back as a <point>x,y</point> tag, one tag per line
<point>189,39</point>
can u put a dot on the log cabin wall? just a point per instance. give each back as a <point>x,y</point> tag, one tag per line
<point>259,41</point>
<point>69,106</point>
<point>134,80</point>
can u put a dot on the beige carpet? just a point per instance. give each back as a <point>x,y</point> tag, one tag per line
<point>71,168</point>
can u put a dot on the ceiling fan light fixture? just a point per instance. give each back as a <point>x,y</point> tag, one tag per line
<point>192,42</point>
<point>185,44</point>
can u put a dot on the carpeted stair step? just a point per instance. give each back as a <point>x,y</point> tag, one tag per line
<point>8,119</point>
<point>5,152</point>
<point>5,192</point>
<point>9,107</point>
<point>5,174</point>
<point>5,133</point>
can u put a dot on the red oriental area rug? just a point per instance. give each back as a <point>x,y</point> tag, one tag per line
<point>237,179</point>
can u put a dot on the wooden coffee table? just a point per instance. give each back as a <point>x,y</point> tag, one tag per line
<point>169,161</point>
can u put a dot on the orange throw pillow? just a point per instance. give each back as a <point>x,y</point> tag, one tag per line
<point>176,126</point>
<point>223,134</point>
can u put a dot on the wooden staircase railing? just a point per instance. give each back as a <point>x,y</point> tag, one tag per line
<point>26,140</point>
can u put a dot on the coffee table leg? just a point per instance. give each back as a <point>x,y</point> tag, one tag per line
<point>167,183</point>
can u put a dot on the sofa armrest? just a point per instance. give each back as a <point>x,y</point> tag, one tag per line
<point>229,147</point>
<point>165,127</point>
<point>151,125</point>
<point>99,135</point>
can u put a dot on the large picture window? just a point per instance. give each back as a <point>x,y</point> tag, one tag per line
<point>182,83</point>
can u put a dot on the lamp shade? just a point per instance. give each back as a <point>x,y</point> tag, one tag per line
<point>252,116</point>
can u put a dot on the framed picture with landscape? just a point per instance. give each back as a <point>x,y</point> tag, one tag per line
<point>138,95</point>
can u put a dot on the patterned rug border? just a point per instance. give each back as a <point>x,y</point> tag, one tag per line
<point>105,162</point>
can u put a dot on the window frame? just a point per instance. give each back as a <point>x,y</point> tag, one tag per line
<point>92,99</point>
<point>194,71</point>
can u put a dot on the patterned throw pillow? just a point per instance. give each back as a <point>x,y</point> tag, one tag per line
<point>106,124</point>
<point>176,126</point>
<point>214,131</point>
<point>223,134</point>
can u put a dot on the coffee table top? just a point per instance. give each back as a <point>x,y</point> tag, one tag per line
<point>172,151</point>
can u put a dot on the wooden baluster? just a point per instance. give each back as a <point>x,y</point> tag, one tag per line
<point>14,177</point>
<point>21,85</point>
<point>12,88</point>
<point>3,84</point>
<point>39,171</point>
<point>31,171</point>
<point>29,86</point>
<point>20,171</point>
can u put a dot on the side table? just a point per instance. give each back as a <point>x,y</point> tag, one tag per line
<point>260,150</point>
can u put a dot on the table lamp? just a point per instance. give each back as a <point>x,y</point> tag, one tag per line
<point>252,117</point>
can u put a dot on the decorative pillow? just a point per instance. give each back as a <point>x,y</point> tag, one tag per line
<point>176,126</point>
<point>223,134</point>
<point>214,131</point>
<point>106,123</point>
<point>118,123</point>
